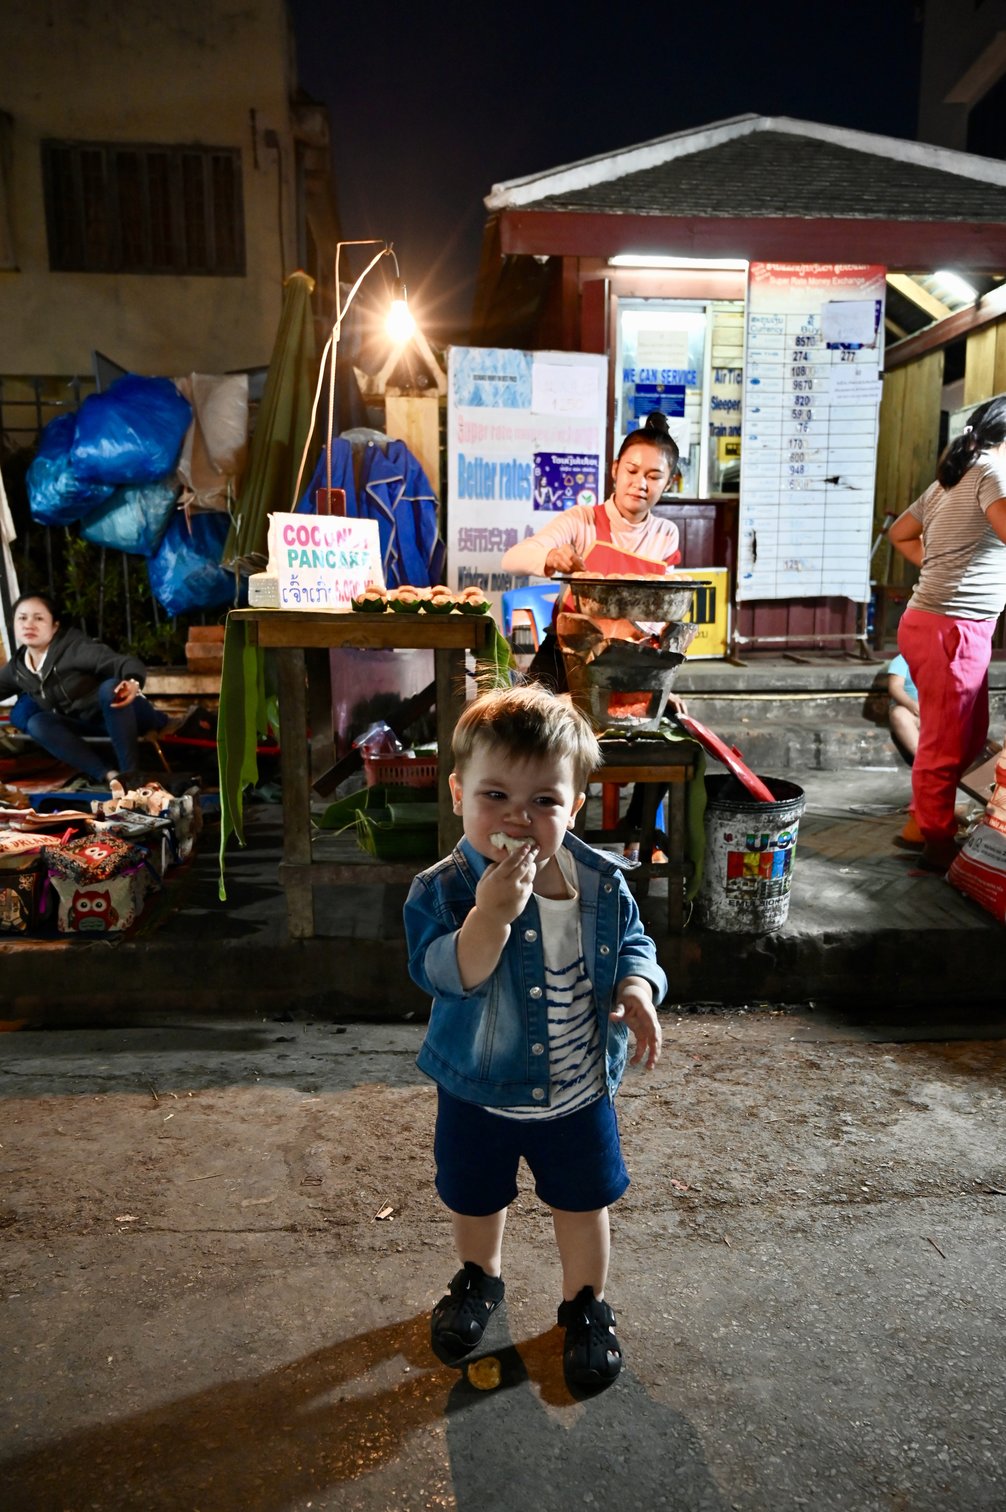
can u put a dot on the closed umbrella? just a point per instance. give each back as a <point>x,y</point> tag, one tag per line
<point>281,429</point>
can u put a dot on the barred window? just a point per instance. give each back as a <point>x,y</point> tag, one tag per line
<point>121,207</point>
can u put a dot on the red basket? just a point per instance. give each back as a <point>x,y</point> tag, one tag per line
<point>401,770</point>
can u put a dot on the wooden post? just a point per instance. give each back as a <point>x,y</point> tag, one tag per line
<point>415,419</point>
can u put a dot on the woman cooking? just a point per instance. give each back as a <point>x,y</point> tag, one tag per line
<point>646,462</point>
<point>641,472</point>
<point>956,533</point>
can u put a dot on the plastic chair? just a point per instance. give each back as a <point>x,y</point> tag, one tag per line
<point>531,606</point>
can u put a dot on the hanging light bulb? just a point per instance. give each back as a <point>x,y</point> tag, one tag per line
<point>399,323</point>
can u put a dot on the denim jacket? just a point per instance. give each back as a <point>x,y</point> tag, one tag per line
<point>489,1044</point>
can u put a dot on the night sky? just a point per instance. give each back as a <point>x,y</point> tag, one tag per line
<point>433,104</point>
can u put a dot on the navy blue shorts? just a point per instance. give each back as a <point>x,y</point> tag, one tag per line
<point>576,1159</point>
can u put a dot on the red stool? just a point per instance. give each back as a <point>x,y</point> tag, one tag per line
<point>655,763</point>
<point>610,804</point>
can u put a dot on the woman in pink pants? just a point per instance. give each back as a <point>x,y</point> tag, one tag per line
<point>956,534</point>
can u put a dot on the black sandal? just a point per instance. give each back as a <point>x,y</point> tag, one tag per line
<point>459,1319</point>
<point>591,1355</point>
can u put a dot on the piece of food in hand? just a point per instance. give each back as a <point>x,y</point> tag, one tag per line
<point>509,843</point>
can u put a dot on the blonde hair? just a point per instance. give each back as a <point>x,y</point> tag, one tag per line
<point>528,722</point>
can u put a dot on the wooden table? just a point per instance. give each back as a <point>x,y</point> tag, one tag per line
<point>291,633</point>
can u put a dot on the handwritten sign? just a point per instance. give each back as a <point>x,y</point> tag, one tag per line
<point>323,561</point>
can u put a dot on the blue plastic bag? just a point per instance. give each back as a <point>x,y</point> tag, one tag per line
<point>56,496</point>
<point>185,571</point>
<point>133,519</point>
<point>132,433</point>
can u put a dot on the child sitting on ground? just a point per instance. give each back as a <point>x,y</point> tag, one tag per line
<point>903,710</point>
<point>903,722</point>
<point>532,948</point>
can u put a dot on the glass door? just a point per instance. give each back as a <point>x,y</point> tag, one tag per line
<point>684,357</point>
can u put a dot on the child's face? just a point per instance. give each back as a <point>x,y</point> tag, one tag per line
<point>534,798</point>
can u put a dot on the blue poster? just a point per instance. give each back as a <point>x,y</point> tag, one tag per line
<point>491,378</point>
<point>669,399</point>
<point>565,478</point>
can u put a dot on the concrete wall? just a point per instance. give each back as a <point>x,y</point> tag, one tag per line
<point>192,71</point>
<point>956,36</point>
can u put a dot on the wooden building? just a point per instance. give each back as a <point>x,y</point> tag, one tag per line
<point>674,224</point>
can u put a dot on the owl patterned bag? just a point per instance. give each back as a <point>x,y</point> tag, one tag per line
<point>101,882</point>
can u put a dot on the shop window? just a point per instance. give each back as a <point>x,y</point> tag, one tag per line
<point>685,358</point>
<point>116,207</point>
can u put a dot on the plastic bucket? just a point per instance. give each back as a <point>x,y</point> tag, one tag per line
<point>750,854</point>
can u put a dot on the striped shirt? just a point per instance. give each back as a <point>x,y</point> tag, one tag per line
<point>575,1056</point>
<point>964,567</point>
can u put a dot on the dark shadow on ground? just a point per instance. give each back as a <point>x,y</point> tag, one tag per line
<point>526,1444</point>
<point>323,1423</point>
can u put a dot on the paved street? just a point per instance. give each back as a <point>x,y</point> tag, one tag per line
<point>203,1309</point>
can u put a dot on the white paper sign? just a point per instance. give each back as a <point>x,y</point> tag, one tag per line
<point>850,322</point>
<point>563,390</point>
<point>662,349</point>
<point>323,561</point>
<point>854,383</point>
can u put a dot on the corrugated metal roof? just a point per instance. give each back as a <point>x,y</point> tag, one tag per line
<point>776,173</point>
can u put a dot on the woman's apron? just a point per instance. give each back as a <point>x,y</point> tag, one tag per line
<point>547,665</point>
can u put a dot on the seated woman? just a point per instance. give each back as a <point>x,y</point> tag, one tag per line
<point>69,686</point>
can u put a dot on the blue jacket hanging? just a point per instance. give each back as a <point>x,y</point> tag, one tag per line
<point>399,496</point>
<point>396,493</point>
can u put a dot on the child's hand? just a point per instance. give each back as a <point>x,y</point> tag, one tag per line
<point>505,887</point>
<point>634,1007</point>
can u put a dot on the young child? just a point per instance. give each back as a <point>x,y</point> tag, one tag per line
<point>903,711</point>
<point>532,948</point>
<point>903,722</point>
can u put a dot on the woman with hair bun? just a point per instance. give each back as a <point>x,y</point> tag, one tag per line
<point>956,534</point>
<point>647,459</point>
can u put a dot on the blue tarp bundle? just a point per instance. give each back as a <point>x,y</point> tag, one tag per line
<point>55,494</point>
<point>132,433</point>
<point>133,519</point>
<point>185,571</point>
